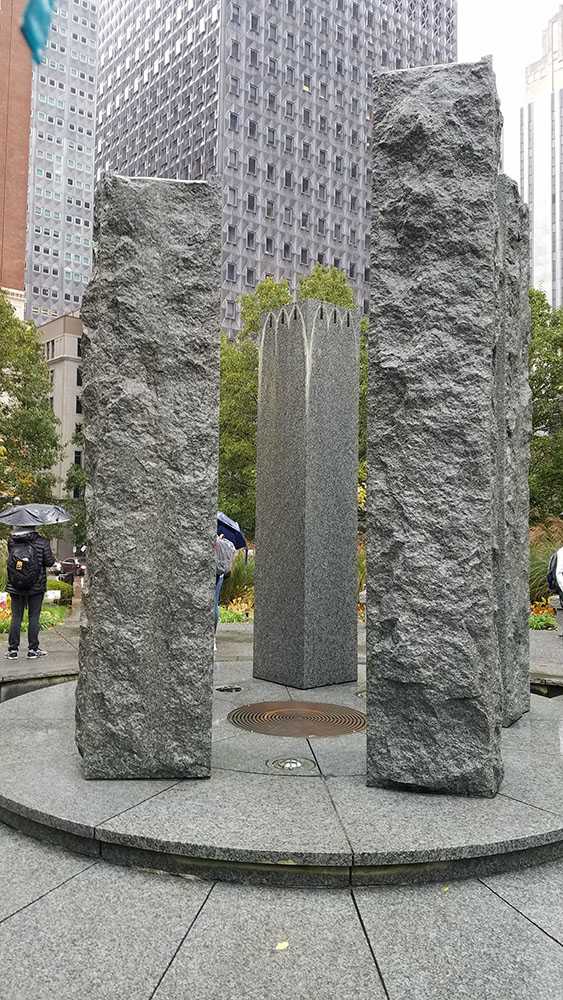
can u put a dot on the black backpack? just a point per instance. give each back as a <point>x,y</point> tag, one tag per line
<point>23,566</point>
<point>551,571</point>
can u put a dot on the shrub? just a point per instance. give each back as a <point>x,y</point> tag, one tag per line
<point>241,579</point>
<point>544,539</point>
<point>229,617</point>
<point>66,590</point>
<point>541,622</point>
<point>50,617</point>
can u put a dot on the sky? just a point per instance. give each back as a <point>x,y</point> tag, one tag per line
<point>510,31</point>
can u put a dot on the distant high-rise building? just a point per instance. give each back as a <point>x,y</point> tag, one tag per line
<point>271,95</point>
<point>61,164</point>
<point>15,96</point>
<point>62,344</point>
<point>541,161</point>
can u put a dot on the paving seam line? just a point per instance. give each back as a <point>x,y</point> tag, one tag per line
<point>134,806</point>
<point>530,805</point>
<point>184,938</point>
<point>369,944</point>
<point>333,804</point>
<point>516,910</point>
<point>49,891</point>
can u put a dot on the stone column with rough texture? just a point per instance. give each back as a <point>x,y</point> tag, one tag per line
<point>151,374</point>
<point>305,629</point>
<point>515,427</point>
<point>433,665</point>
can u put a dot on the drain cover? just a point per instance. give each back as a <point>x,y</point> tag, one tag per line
<point>228,687</point>
<point>298,718</point>
<point>292,764</point>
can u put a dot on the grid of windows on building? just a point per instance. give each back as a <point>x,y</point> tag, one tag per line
<point>272,95</point>
<point>61,164</point>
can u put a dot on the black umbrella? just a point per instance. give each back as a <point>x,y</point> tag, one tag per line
<point>33,515</point>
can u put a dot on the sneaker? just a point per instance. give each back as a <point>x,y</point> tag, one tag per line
<point>12,654</point>
<point>33,654</point>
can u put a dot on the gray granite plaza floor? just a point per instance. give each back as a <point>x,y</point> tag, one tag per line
<point>75,928</point>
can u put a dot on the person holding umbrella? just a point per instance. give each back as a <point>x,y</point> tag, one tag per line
<point>229,539</point>
<point>29,556</point>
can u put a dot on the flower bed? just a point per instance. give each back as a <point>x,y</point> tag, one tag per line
<point>50,618</point>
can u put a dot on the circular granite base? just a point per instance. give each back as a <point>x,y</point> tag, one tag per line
<point>317,824</point>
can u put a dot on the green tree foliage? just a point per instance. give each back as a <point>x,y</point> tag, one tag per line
<point>237,431</point>
<point>75,486</point>
<point>239,386</point>
<point>269,295</point>
<point>29,440</point>
<point>546,380</point>
<point>328,284</point>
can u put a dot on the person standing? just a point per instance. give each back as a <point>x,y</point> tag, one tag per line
<point>224,554</point>
<point>29,555</point>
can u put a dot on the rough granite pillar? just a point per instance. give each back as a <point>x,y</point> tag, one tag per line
<point>151,371</point>
<point>514,432</point>
<point>305,627</point>
<point>432,659</point>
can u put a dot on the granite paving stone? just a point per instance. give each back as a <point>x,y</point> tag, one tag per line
<point>534,779</point>
<point>341,756</point>
<point>50,704</point>
<point>106,935</point>
<point>275,944</point>
<point>386,826</point>
<point>546,708</point>
<point>252,752</point>
<point>333,694</point>
<point>50,789</point>
<point>458,941</point>
<point>540,736</point>
<point>536,892</point>
<point>238,817</point>
<point>28,869</point>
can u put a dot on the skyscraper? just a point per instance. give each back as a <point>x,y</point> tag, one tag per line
<point>61,164</point>
<point>15,95</point>
<point>541,161</point>
<point>272,96</point>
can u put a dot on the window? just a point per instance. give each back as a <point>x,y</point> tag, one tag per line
<point>286,252</point>
<point>289,144</point>
<point>269,210</point>
<point>323,91</point>
<point>304,220</point>
<point>253,93</point>
<point>270,172</point>
<point>288,179</point>
<point>254,22</point>
<point>290,41</point>
<point>273,32</point>
<point>250,276</point>
<point>233,121</point>
<point>304,255</point>
<point>354,202</point>
<point>230,309</point>
<point>322,157</point>
<point>235,85</point>
<point>251,202</point>
<point>307,50</point>
<point>231,196</point>
<point>308,17</point>
<point>250,240</point>
<point>79,383</point>
<point>338,164</point>
<point>231,234</point>
<point>307,117</point>
<point>323,126</point>
<point>305,185</point>
<point>272,102</point>
<point>272,66</point>
<point>352,270</point>
<point>233,158</point>
<point>235,49</point>
<point>306,150</point>
<point>288,216</point>
<point>324,57</point>
<point>271,137</point>
<point>290,75</point>
<point>337,231</point>
<point>289,109</point>
<point>253,58</point>
<point>338,197</point>
<point>252,129</point>
<point>322,192</point>
<point>251,168</point>
<point>269,246</point>
<point>321,227</point>
<point>231,272</point>
<point>235,13</point>
<point>78,405</point>
<point>339,130</point>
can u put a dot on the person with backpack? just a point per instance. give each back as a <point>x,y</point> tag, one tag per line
<point>29,556</point>
<point>555,574</point>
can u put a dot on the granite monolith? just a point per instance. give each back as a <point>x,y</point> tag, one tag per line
<point>305,630</point>
<point>151,374</point>
<point>434,699</point>
<point>514,433</point>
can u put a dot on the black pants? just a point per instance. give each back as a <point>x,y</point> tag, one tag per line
<point>19,603</point>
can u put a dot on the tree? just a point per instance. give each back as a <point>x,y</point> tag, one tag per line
<point>237,431</point>
<point>328,284</point>
<point>269,295</point>
<point>546,381</point>
<point>29,439</point>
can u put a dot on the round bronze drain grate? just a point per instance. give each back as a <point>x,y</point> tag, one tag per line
<point>298,718</point>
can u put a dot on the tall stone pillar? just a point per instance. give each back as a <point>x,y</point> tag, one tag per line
<point>151,370</point>
<point>514,433</point>
<point>433,664</point>
<point>305,628</point>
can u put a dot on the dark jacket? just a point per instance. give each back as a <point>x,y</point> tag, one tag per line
<point>44,556</point>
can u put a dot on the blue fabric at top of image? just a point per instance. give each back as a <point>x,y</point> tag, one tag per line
<point>35,25</point>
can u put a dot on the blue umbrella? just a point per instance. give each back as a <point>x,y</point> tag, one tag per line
<point>231,529</point>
